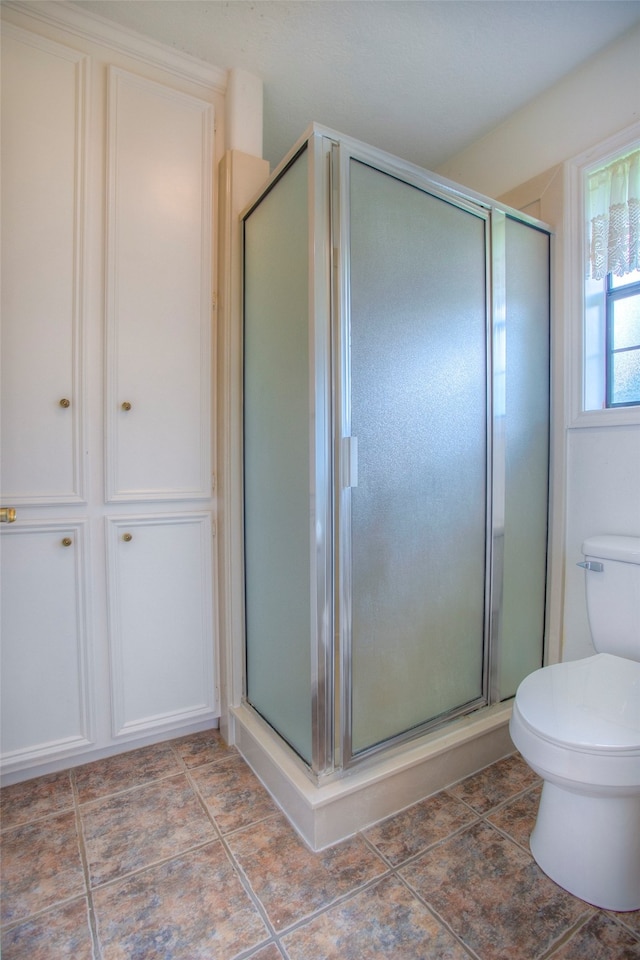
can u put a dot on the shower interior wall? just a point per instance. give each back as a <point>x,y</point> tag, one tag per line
<point>303,513</point>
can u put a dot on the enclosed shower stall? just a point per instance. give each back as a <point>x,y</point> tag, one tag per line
<point>396,438</point>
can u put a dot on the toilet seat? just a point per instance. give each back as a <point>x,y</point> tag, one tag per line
<point>589,706</point>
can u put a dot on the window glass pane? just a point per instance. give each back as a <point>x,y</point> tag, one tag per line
<point>625,329</point>
<point>608,325</point>
<point>594,345</point>
<point>625,387</point>
<point>633,277</point>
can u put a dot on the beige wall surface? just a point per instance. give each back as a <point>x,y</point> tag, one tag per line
<point>596,469</point>
<point>590,104</point>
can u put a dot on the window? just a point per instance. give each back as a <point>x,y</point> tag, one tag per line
<point>611,333</point>
<point>623,339</point>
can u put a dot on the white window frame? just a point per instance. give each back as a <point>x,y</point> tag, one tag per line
<point>574,289</point>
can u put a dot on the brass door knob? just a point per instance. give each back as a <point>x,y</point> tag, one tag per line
<point>65,403</point>
<point>126,405</point>
<point>127,537</point>
<point>67,541</point>
<point>7,514</point>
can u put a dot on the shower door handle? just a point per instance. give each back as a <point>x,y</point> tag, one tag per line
<point>349,462</point>
<point>593,565</point>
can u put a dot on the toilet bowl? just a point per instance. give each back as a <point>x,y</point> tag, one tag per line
<point>577,725</point>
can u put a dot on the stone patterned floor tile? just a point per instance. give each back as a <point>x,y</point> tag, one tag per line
<point>233,794</point>
<point>518,817</point>
<point>41,866</point>
<point>601,938</point>
<point>191,908</point>
<point>493,895</point>
<point>60,934</point>
<point>495,784</point>
<point>382,921</point>
<point>131,830</point>
<point>290,880</point>
<point>200,748</point>
<point>32,799</point>
<point>166,889</point>
<point>124,771</point>
<point>409,832</point>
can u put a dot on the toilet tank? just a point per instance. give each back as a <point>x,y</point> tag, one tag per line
<point>612,578</point>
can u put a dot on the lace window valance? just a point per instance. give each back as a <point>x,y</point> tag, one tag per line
<point>613,199</point>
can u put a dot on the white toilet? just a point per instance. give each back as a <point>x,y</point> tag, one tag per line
<point>577,724</point>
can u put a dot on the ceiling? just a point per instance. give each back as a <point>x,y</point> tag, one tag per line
<point>420,78</point>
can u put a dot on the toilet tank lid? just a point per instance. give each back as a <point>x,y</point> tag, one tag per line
<point>612,547</point>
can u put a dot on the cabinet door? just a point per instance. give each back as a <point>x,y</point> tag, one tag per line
<point>45,655</point>
<point>43,176</point>
<point>161,624</point>
<point>158,292</point>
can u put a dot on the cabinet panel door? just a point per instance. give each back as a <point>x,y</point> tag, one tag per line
<point>159,292</point>
<point>43,174</point>
<point>161,623</point>
<point>45,658</point>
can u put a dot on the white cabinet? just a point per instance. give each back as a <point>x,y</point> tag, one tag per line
<point>46,647</point>
<point>44,105</point>
<point>160,619</point>
<point>158,292</point>
<point>108,168</point>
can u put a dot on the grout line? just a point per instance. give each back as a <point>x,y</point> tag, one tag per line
<point>244,880</point>
<point>19,921</point>
<point>620,919</point>
<point>568,935</point>
<point>253,951</point>
<point>507,836</point>
<point>440,919</point>
<point>410,860</point>
<point>253,896</point>
<point>93,923</point>
<point>496,806</point>
<point>343,898</point>
<point>112,881</point>
<point>123,793</point>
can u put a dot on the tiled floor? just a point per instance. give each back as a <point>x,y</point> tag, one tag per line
<point>176,852</point>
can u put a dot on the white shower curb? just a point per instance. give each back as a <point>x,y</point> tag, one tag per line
<point>331,811</point>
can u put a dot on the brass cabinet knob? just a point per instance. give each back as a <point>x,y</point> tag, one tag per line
<point>65,403</point>
<point>126,405</point>
<point>7,514</point>
<point>127,537</point>
<point>67,541</point>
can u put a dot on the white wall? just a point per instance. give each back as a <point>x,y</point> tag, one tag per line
<point>597,468</point>
<point>603,496</point>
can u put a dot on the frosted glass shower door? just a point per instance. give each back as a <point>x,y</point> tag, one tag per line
<point>415,396</point>
<point>278,599</point>
<point>526,461</point>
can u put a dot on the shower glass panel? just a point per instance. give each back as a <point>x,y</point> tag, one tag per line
<point>396,450</point>
<point>277,460</point>
<point>416,362</point>
<point>526,432</point>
